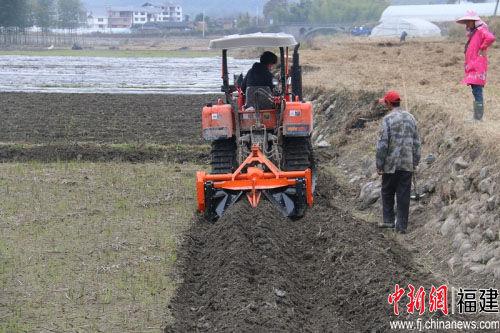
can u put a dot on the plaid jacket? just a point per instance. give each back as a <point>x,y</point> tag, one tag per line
<point>398,147</point>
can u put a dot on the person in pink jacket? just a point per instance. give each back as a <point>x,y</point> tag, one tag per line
<point>476,59</point>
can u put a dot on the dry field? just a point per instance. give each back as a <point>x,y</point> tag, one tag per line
<point>170,43</point>
<point>424,71</point>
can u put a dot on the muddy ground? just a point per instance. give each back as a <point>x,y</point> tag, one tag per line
<point>254,270</point>
<point>102,127</point>
<point>101,118</point>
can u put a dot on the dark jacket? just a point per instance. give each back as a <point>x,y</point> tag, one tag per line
<point>258,75</point>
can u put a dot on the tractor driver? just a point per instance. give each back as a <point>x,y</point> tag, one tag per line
<point>260,76</point>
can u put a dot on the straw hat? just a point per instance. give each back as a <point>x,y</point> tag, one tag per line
<point>470,15</point>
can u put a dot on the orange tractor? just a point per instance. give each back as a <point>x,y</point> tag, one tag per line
<point>261,139</point>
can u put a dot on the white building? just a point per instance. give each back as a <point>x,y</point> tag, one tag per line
<point>156,13</point>
<point>172,13</point>
<point>97,22</point>
<point>126,17</point>
<point>140,16</point>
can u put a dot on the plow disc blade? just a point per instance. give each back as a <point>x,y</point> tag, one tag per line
<point>291,202</point>
<point>218,201</point>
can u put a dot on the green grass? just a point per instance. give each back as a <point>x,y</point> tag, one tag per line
<point>23,148</point>
<point>112,53</point>
<point>90,246</point>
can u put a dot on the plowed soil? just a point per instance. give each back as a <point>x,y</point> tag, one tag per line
<point>101,127</point>
<point>254,270</point>
<point>101,118</point>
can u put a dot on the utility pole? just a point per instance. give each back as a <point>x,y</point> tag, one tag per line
<point>258,13</point>
<point>203,23</point>
<point>257,17</point>
<point>496,9</point>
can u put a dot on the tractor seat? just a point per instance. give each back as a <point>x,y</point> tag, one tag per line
<point>259,97</point>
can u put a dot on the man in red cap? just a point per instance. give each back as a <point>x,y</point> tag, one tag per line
<point>398,154</point>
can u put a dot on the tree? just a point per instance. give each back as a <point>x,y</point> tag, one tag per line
<point>272,6</point>
<point>69,13</point>
<point>277,10</point>
<point>199,17</point>
<point>324,11</point>
<point>44,13</point>
<point>14,13</point>
<point>299,12</point>
<point>340,11</point>
<point>244,21</point>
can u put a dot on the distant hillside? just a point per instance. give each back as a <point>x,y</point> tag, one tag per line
<point>192,7</point>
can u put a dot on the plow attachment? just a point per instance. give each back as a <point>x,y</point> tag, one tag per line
<point>289,191</point>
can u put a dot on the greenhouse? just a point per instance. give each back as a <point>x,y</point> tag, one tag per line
<point>436,13</point>
<point>412,26</point>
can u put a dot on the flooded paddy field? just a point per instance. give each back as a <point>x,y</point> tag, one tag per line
<point>114,75</point>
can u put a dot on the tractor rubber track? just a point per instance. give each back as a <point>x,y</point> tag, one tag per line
<point>223,156</point>
<point>297,154</point>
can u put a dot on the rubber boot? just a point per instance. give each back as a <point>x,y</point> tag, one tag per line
<point>478,110</point>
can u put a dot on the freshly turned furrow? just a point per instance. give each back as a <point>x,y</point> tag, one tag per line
<point>254,270</point>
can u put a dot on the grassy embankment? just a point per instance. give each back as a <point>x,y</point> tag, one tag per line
<point>426,72</point>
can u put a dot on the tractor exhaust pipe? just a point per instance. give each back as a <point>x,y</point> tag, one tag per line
<point>296,74</point>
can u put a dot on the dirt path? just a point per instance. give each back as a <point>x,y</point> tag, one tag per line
<point>255,270</point>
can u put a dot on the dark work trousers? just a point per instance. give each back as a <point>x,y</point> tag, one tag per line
<point>396,184</point>
<point>477,91</point>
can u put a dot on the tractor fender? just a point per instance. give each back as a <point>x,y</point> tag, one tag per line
<point>298,119</point>
<point>217,122</point>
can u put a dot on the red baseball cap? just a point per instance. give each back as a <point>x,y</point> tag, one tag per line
<point>391,97</point>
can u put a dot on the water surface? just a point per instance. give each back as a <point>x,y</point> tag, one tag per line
<point>114,75</point>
